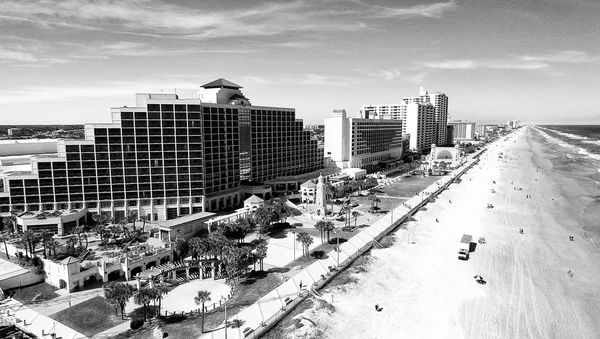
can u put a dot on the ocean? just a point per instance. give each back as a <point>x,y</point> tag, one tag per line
<point>574,152</point>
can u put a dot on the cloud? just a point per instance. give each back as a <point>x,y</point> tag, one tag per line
<point>165,19</point>
<point>25,55</point>
<point>412,76</point>
<point>295,44</point>
<point>126,89</point>
<point>492,64</point>
<point>451,64</point>
<point>129,48</point>
<point>307,80</point>
<point>319,80</point>
<point>565,57</point>
<point>435,10</point>
<point>103,90</point>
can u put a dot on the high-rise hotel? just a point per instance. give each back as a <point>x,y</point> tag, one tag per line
<point>166,157</point>
<point>424,118</point>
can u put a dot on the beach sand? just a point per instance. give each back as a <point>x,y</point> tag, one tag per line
<point>426,292</point>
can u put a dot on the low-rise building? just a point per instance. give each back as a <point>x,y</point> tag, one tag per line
<point>183,227</point>
<point>362,143</point>
<point>57,222</point>
<point>463,130</point>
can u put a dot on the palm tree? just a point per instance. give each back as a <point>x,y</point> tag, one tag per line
<point>195,243</point>
<point>242,227</point>
<point>201,298</point>
<point>306,241</point>
<point>361,184</point>
<point>320,225</point>
<point>329,226</point>
<point>329,192</point>
<point>355,215</point>
<point>118,294</point>
<point>3,238</point>
<point>44,240</point>
<point>13,219</point>
<point>261,253</point>
<point>78,231</point>
<point>52,246</point>
<point>161,289</point>
<point>354,185</point>
<point>374,200</point>
<point>143,298</point>
<point>180,247</point>
<point>71,242</point>
<point>263,217</point>
<point>100,219</point>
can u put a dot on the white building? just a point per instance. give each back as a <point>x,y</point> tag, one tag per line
<point>440,103</point>
<point>362,143</point>
<point>463,130</point>
<point>435,125</point>
<point>420,126</point>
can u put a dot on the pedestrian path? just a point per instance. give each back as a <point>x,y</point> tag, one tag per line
<point>13,312</point>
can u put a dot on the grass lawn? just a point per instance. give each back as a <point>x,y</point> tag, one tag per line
<point>250,289</point>
<point>89,317</point>
<point>26,294</point>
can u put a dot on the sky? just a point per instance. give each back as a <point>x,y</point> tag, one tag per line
<point>70,61</point>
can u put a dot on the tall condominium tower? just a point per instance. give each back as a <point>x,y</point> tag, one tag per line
<point>166,157</point>
<point>420,125</point>
<point>440,103</point>
<point>432,119</point>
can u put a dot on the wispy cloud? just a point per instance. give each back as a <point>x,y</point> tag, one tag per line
<point>295,44</point>
<point>565,57</point>
<point>493,64</point>
<point>22,55</point>
<point>129,48</point>
<point>124,89</point>
<point>314,79</point>
<point>435,10</point>
<point>412,76</point>
<point>102,90</point>
<point>307,80</point>
<point>158,18</point>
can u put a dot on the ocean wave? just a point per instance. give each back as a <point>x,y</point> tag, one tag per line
<point>586,152</point>
<point>595,142</point>
<point>554,139</point>
<point>569,135</point>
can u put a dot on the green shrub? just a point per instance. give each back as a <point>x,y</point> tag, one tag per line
<point>136,323</point>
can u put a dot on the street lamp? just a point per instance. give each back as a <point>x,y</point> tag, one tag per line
<point>337,249</point>
<point>225,303</point>
<point>294,240</point>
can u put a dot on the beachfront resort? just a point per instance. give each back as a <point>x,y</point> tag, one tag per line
<point>156,243</point>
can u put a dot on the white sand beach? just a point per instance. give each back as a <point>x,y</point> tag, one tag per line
<point>426,292</point>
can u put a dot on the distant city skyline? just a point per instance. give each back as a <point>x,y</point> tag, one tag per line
<point>69,62</point>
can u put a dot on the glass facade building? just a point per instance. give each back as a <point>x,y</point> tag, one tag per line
<point>166,157</point>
